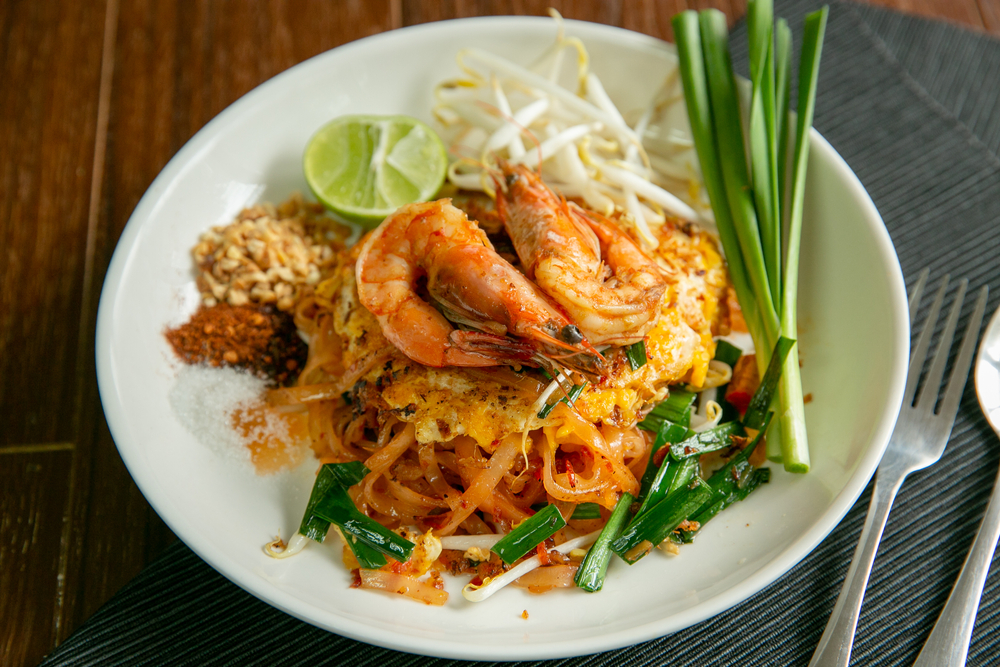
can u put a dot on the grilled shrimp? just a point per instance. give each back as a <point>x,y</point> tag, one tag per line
<point>471,285</point>
<point>613,300</point>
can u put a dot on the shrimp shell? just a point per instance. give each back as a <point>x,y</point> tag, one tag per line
<point>471,285</point>
<point>609,287</point>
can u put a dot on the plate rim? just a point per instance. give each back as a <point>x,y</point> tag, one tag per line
<point>796,551</point>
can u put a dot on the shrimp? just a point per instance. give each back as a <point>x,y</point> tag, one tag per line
<point>613,300</point>
<point>471,285</point>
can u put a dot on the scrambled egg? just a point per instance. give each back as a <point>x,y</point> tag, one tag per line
<point>680,346</point>
<point>489,403</point>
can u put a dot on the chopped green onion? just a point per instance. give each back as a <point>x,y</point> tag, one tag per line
<point>532,531</point>
<point>669,433</point>
<point>672,476</point>
<point>335,478</point>
<point>312,526</point>
<point>367,557</point>
<point>755,479</point>
<point>727,353</point>
<point>330,474</point>
<point>574,393</point>
<point>349,473</point>
<point>660,520</point>
<point>761,401</point>
<point>714,439</point>
<point>590,575</point>
<point>676,409</point>
<point>636,355</point>
<point>586,511</point>
<point>338,508</point>
<point>725,483</point>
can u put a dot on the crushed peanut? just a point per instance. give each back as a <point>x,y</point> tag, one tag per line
<point>477,554</point>
<point>268,254</point>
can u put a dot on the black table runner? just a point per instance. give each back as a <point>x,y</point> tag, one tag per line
<point>914,107</point>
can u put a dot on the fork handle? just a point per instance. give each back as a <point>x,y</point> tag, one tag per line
<point>834,648</point>
<point>948,644</point>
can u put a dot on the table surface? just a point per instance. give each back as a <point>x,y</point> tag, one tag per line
<point>98,96</point>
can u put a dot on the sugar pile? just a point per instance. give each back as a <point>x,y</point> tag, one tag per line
<point>205,400</point>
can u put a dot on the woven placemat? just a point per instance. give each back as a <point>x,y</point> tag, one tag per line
<point>912,106</point>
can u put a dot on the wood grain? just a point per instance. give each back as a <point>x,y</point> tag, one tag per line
<point>48,103</point>
<point>176,67</point>
<point>34,492</point>
<point>990,12</point>
<point>81,139</point>
<point>962,12</point>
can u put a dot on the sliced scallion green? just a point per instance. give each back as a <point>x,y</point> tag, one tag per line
<point>727,353</point>
<point>668,434</point>
<point>338,508</point>
<point>676,409</point>
<point>671,476</point>
<point>590,575</point>
<point>343,474</point>
<point>585,511</point>
<point>349,473</point>
<point>711,440</point>
<point>532,531</point>
<point>726,482</point>
<point>761,401</point>
<point>570,399</point>
<point>636,355</point>
<point>660,520</point>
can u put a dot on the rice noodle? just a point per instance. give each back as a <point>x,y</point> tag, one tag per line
<point>482,486</point>
<point>403,585</point>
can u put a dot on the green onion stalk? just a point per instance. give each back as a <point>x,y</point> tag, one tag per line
<point>759,234</point>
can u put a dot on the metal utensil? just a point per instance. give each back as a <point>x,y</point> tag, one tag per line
<point>917,441</point>
<point>948,643</point>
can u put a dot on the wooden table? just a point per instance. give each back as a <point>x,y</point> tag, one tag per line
<point>97,96</point>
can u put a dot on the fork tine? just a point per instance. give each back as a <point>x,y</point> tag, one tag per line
<point>960,371</point>
<point>923,342</point>
<point>932,384</point>
<point>918,291</point>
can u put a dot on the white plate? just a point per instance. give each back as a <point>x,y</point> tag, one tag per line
<point>854,346</point>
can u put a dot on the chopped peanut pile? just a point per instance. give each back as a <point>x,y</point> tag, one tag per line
<point>267,255</point>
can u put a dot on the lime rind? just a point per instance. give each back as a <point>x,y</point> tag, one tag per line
<point>365,167</point>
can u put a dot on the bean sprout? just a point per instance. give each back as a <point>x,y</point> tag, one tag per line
<point>474,593</point>
<point>582,143</point>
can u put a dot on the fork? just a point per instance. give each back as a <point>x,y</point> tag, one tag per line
<point>917,441</point>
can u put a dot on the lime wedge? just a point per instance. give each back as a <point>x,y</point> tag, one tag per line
<point>365,167</point>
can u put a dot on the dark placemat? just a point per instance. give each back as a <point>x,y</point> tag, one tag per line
<point>908,104</point>
<point>951,64</point>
